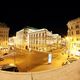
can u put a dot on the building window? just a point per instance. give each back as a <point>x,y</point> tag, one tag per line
<point>71,27</point>
<point>31,35</point>
<point>72,32</point>
<point>77,26</point>
<point>77,32</point>
<point>43,35</point>
<point>36,42</point>
<point>39,35</point>
<point>36,35</point>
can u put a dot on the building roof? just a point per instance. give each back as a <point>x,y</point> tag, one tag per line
<point>27,28</point>
<point>38,30</point>
<point>32,28</point>
<point>74,21</point>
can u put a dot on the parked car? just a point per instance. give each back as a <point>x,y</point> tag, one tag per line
<point>10,68</point>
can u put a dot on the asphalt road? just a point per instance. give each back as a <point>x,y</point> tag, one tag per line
<point>34,60</point>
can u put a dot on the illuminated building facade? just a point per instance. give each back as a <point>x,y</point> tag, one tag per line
<point>37,39</point>
<point>22,38</point>
<point>4,35</point>
<point>41,40</point>
<point>12,41</point>
<point>57,41</point>
<point>74,35</point>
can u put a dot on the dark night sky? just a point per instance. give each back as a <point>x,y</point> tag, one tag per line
<point>54,19</point>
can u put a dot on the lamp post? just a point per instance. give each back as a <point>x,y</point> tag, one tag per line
<point>14,56</point>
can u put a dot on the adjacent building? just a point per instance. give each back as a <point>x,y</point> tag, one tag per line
<point>35,39</point>
<point>22,38</point>
<point>57,41</point>
<point>4,35</point>
<point>74,36</point>
<point>12,41</point>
